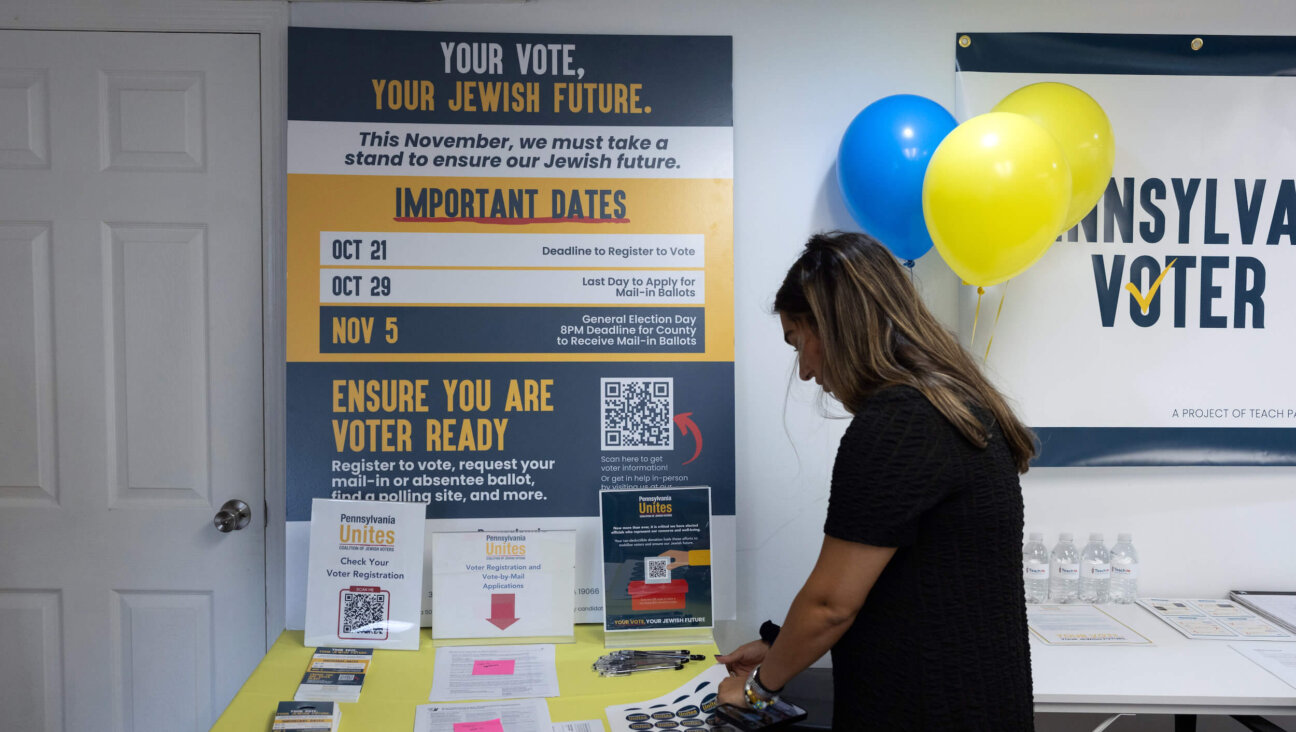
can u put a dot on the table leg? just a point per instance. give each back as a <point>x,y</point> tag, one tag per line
<point>1257,723</point>
<point>1185,723</point>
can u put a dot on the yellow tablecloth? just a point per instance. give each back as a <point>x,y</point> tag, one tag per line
<point>398,681</point>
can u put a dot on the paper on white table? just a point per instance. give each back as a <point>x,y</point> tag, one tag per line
<point>1277,660</point>
<point>518,715</point>
<point>1211,618</point>
<point>696,699</point>
<point>1079,625</point>
<point>1282,607</point>
<point>461,673</point>
<point>1242,620</point>
<point>1279,607</point>
<point>584,725</point>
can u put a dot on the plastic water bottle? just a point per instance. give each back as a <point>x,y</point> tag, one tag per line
<point>1095,570</point>
<point>1035,568</point>
<point>1124,570</point>
<point>1064,570</point>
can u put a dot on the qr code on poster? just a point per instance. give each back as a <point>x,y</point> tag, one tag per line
<point>363,613</point>
<point>656,570</point>
<point>637,413</point>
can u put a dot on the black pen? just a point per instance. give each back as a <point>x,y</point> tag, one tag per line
<point>682,654</point>
<point>628,671</point>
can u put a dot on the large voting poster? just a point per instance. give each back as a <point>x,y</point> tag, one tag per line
<point>510,277</point>
<point>1198,223</point>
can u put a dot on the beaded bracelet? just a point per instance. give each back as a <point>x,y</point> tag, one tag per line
<point>758,697</point>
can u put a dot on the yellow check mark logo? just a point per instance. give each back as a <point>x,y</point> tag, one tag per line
<point>1145,300</point>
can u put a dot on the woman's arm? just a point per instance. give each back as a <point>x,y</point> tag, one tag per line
<point>822,611</point>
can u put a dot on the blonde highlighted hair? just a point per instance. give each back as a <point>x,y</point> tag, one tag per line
<point>876,332</point>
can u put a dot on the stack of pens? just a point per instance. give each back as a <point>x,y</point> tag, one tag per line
<point>624,663</point>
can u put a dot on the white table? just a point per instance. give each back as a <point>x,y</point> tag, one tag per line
<point>1175,676</point>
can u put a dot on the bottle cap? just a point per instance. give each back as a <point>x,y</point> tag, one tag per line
<point>1066,536</point>
<point>1036,536</point>
<point>1125,538</point>
<point>1096,536</point>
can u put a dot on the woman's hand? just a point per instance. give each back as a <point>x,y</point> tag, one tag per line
<point>744,659</point>
<point>731,691</point>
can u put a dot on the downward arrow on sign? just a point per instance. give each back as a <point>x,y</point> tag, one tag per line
<point>502,610</point>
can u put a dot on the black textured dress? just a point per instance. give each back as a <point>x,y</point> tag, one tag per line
<point>941,642</point>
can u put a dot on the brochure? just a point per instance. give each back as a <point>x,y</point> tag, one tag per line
<point>1279,607</point>
<point>365,575</point>
<point>299,716</point>
<point>1213,619</point>
<point>1079,625</point>
<point>337,686</point>
<point>656,558</point>
<point>355,660</point>
<point>335,674</point>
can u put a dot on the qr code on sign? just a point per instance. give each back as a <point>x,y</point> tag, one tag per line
<point>363,613</point>
<point>637,413</point>
<point>656,570</point>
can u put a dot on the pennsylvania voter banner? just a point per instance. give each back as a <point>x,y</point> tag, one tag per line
<point>1161,329</point>
<point>510,279</point>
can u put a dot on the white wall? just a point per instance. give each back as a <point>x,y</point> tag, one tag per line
<point>801,72</point>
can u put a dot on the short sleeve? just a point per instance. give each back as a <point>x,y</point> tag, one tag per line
<point>890,469</point>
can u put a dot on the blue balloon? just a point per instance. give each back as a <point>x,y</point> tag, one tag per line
<point>880,167</point>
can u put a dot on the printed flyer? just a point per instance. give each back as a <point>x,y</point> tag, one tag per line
<point>366,574</point>
<point>491,584</point>
<point>510,277</point>
<point>657,558</point>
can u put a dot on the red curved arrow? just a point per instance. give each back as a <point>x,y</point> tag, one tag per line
<point>687,425</point>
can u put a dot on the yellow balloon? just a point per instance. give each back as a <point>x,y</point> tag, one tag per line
<point>1081,128</point>
<point>995,195</point>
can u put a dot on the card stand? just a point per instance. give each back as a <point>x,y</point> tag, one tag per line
<point>645,639</point>
<point>488,587</point>
<point>495,641</point>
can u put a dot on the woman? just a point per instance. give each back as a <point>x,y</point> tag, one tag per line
<point>918,587</point>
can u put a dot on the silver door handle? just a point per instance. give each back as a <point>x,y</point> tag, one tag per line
<point>232,516</point>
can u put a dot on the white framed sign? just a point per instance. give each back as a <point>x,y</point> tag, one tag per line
<point>503,584</point>
<point>365,574</point>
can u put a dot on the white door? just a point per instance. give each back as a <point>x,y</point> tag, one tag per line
<point>130,378</point>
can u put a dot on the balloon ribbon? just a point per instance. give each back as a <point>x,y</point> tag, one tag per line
<point>976,316</point>
<point>995,327</point>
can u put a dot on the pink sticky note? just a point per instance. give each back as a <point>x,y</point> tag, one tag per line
<point>492,725</point>
<point>493,668</point>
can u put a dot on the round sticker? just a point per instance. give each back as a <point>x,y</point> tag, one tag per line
<point>689,711</point>
<point>637,717</point>
<point>641,725</point>
<point>709,703</point>
<point>693,723</point>
<point>667,724</point>
<point>663,715</point>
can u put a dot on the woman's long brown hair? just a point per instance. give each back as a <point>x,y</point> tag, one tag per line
<point>876,332</point>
